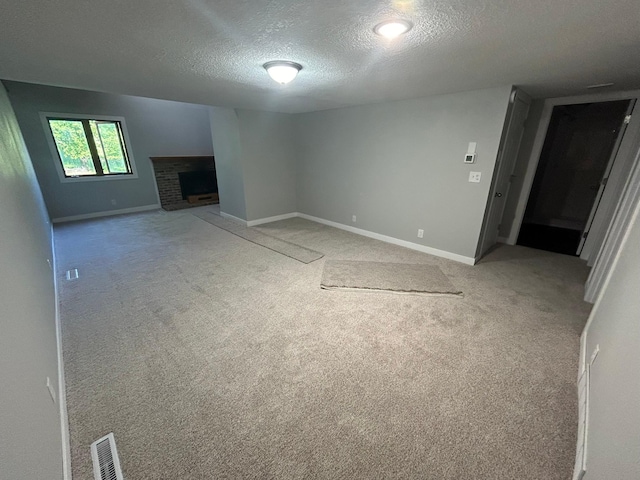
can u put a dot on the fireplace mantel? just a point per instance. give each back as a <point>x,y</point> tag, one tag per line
<point>181,158</point>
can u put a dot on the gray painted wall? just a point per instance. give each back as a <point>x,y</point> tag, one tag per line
<point>156,128</point>
<point>225,132</point>
<point>255,162</point>
<point>522,162</point>
<point>269,163</point>
<point>30,437</point>
<point>614,416</point>
<point>399,166</point>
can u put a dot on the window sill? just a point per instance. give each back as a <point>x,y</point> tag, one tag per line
<point>99,178</point>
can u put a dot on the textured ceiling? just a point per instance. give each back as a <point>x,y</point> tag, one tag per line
<point>212,52</point>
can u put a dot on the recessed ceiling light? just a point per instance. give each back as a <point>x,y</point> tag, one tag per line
<point>393,28</point>
<point>282,71</point>
<point>600,85</point>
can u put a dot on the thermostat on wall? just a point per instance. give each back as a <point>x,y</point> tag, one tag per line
<point>470,157</point>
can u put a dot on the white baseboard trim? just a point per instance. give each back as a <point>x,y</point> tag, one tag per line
<point>62,389</point>
<point>260,221</point>
<point>395,241</point>
<point>582,366</point>
<point>108,213</point>
<point>235,219</point>
<point>366,233</point>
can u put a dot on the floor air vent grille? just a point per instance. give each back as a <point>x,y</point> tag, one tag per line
<point>106,465</point>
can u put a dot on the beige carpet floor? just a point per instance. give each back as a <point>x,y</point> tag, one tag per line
<point>389,277</point>
<point>251,234</point>
<point>211,357</point>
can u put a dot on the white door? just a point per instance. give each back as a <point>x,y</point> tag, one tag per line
<point>605,177</point>
<point>505,165</point>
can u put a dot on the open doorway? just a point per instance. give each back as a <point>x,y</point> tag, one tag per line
<point>581,143</point>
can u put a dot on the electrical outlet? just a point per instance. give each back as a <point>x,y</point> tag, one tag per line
<point>113,201</point>
<point>353,218</point>
<point>52,392</point>
<point>474,177</point>
<point>72,274</point>
<point>420,233</point>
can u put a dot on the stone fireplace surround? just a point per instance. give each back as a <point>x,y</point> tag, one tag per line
<point>166,171</point>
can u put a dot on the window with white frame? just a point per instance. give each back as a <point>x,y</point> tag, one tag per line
<point>89,147</point>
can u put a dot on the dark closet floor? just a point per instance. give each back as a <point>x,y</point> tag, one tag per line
<point>552,239</point>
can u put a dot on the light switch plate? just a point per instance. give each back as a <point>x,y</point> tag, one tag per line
<point>474,177</point>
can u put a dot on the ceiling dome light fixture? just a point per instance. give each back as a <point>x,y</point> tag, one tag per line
<point>393,28</point>
<point>282,71</point>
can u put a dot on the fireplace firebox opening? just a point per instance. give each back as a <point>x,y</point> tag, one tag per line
<point>200,182</point>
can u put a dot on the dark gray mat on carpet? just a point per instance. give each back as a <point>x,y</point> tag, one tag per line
<point>291,250</point>
<point>388,277</point>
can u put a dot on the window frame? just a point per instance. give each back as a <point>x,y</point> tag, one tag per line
<point>46,116</point>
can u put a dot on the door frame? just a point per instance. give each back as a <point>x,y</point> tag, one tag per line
<point>534,158</point>
<point>605,177</point>
<point>616,234</point>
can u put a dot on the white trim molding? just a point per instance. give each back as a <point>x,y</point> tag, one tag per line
<point>108,213</point>
<point>582,365</point>
<point>395,241</point>
<point>62,389</point>
<point>235,219</point>
<point>260,221</point>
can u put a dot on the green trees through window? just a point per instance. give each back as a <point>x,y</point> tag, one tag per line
<point>90,147</point>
